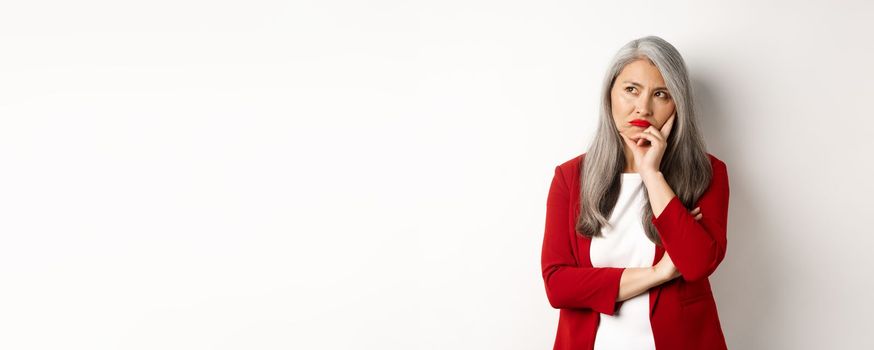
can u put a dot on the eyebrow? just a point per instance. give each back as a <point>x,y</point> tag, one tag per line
<point>636,84</point>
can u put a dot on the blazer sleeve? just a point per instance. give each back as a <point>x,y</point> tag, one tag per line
<point>567,284</point>
<point>697,246</point>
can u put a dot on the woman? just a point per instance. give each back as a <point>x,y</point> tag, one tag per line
<point>623,258</point>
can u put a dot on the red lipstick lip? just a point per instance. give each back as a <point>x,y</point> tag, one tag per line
<point>640,122</point>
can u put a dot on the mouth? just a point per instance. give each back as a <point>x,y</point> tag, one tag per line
<point>640,122</point>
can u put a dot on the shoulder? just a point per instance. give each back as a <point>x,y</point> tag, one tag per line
<point>569,168</point>
<point>717,165</point>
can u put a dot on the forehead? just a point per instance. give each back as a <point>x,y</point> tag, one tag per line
<point>643,72</point>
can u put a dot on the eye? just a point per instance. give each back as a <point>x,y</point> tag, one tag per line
<point>664,94</point>
<point>630,88</point>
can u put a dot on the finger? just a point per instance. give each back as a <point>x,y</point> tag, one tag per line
<point>696,210</point>
<point>648,136</point>
<point>698,217</point>
<point>669,124</point>
<point>655,133</point>
<point>654,136</point>
<point>631,144</point>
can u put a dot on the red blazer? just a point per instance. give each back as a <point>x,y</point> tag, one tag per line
<point>683,311</point>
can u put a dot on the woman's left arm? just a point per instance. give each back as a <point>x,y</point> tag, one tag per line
<point>695,246</point>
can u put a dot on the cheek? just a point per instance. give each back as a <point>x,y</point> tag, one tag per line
<point>621,103</point>
<point>666,112</point>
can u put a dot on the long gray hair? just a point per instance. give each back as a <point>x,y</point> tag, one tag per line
<point>685,164</point>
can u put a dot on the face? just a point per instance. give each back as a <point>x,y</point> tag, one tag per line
<point>639,92</point>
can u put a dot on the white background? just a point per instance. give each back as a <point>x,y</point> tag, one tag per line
<point>373,175</point>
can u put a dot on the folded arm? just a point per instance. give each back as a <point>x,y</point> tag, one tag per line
<point>638,280</point>
<point>695,246</point>
<point>569,285</point>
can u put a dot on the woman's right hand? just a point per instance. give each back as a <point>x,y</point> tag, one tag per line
<point>665,267</point>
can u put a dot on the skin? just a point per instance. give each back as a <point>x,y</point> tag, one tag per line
<point>639,92</point>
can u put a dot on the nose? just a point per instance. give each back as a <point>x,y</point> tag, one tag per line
<point>643,106</point>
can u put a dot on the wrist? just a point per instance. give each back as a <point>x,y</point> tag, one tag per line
<point>651,175</point>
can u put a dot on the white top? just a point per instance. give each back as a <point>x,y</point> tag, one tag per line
<point>625,245</point>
